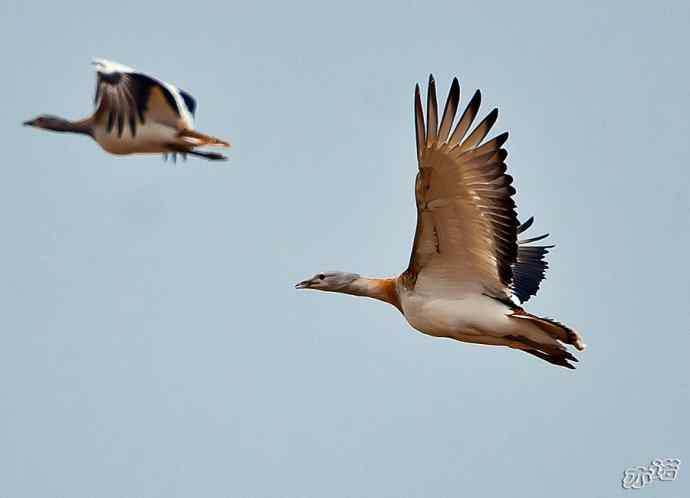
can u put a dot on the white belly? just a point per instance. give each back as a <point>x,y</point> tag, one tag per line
<point>151,138</point>
<point>472,315</point>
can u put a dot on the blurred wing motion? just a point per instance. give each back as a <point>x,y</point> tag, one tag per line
<point>125,97</point>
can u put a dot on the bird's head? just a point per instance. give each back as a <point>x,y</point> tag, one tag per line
<point>329,281</point>
<point>46,121</point>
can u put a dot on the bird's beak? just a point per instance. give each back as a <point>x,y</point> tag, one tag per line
<point>304,284</point>
<point>28,123</point>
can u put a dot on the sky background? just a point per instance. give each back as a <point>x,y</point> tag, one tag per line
<point>153,345</point>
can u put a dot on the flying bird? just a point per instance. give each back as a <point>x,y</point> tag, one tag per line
<point>467,263</point>
<point>135,113</point>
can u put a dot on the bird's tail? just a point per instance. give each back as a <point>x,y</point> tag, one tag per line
<point>554,329</point>
<point>555,356</point>
<point>197,139</point>
<point>552,351</point>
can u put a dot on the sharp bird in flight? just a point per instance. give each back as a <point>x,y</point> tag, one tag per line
<point>467,261</point>
<point>136,113</point>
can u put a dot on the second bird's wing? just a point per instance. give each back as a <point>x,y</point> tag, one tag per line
<point>125,97</point>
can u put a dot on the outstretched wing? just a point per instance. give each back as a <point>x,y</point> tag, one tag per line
<point>466,237</point>
<point>126,97</point>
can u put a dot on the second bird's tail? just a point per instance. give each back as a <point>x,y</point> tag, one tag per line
<point>197,139</point>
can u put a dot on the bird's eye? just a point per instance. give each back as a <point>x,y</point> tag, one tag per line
<point>321,276</point>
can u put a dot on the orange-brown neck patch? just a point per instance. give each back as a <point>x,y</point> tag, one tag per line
<point>385,290</point>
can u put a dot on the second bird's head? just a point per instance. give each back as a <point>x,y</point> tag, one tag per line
<point>329,281</point>
<point>45,121</point>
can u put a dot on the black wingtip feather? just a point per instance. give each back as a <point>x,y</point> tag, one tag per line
<point>530,266</point>
<point>431,111</point>
<point>492,116</point>
<point>189,102</point>
<point>526,224</point>
<point>419,121</point>
<point>477,95</point>
<point>467,118</point>
<point>502,138</point>
<point>449,110</point>
<point>534,239</point>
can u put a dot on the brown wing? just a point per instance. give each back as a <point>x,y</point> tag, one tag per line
<point>130,99</point>
<point>466,222</point>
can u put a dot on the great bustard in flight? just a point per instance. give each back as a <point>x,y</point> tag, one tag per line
<point>467,262</point>
<point>135,113</point>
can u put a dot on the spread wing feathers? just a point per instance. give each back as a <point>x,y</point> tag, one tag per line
<point>466,221</point>
<point>127,97</point>
<point>530,267</point>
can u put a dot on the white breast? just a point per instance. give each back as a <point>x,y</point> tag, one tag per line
<point>151,138</point>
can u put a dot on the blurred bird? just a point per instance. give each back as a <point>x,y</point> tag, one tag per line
<point>467,262</point>
<point>135,113</point>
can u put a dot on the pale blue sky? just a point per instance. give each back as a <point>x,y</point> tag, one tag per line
<point>153,344</point>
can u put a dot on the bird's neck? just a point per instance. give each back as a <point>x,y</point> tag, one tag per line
<point>383,289</point>
<point>83,126</point>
